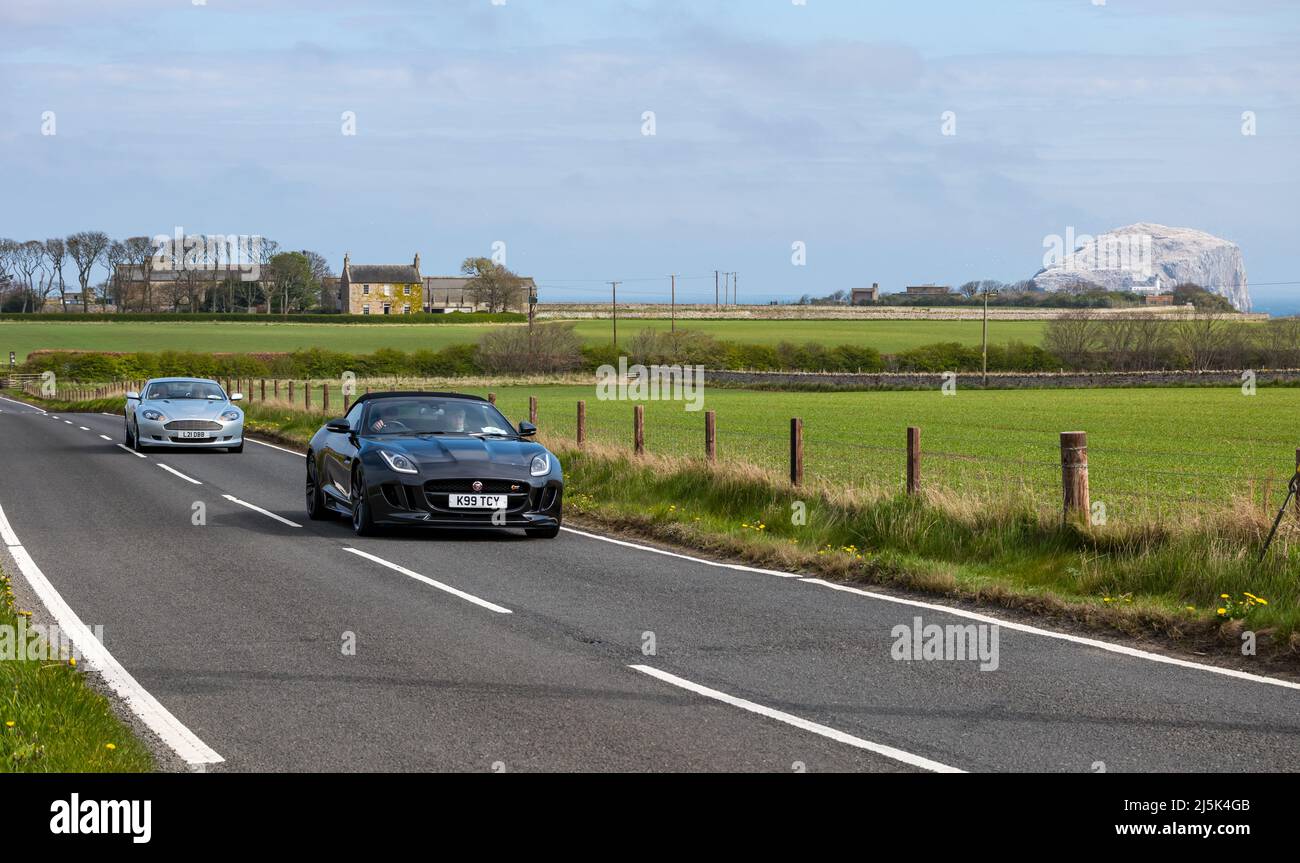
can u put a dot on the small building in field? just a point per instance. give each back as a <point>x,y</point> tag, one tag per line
<point>1158,299</point>
<point>864,296</point>
<point>380,289</point>
<point>928,290</point>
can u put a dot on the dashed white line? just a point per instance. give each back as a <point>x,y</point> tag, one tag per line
<point>83,428</point>
<point>468,597</point>
<point>173,470</point>
<point>106,437</point>
<point>137,699</point>
<point>265,512</point>
<point>803,724</point>
<point>126,448</point>
<point>69,422</point>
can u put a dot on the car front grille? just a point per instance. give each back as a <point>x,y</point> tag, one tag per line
<point>466,486</point>
<point>192,425</point>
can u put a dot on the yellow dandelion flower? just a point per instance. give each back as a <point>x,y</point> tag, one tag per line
<point>1223,611</point>
<point>9,723</point>
<point>1223,596</point>
<point>1262,601</point>
<point>110,746</point>
<point>72,660</point>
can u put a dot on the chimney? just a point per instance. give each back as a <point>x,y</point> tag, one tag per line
<point>417,262</point>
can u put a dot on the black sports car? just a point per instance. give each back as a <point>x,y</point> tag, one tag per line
<point>432,460</point>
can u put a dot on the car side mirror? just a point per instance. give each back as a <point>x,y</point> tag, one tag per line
<point>340,425</point>
<point>236,397</point>
<point>527,429</point>
<point>133,395</point>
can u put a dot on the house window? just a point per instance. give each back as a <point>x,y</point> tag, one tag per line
<point>407,290</point>
<point>388,308</point>
<point>365,289</point>
<point>406,309</point>
<point>365,310</point>
<point>388,290</point>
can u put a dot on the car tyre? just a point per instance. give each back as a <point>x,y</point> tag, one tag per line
<point>127,437</point>
<point>135,440</point>
<point>236,449</point>
<point>316,509</point>
<point>543,532</point>
<point>363,521</point>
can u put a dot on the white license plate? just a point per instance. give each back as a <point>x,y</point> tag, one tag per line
<point>193,434</point>
<point>477,501</point>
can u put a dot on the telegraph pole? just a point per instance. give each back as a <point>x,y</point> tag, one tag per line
<point>735,287</point>
<point>985,339</point>
<point>613,304</point>
<point>715,289</point>
<point>673,307</point>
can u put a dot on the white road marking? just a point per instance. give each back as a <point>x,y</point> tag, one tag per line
<point>83,428</point>
<point>468,597</point>
<point>106,437</point>
<point>716,563</point>
<point>131,451</point>
<point>1063,636</point>
<point>803,724</point>
<point>160,720</point>
<point>24,404</point>
<point>264,512</point>
<point>173,470</point>
<point>273,446</point>
<point>959,612</point>
<point>69,422</point>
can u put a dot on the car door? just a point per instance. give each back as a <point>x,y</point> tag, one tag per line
<point>340,451</point>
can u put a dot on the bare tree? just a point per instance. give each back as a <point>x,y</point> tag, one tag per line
<point>1201,339</point>
<point>87,248</point>
<point>1073,337</point>
<point>56,254</point>
<point>29,261</point>
<point>116,255</point>
<point>491,284</point>
<point>139,257</point>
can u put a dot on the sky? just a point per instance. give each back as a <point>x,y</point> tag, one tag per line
<point>893,142</point>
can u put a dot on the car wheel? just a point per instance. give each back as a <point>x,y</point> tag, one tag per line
<point>135,440</point>
<point>363,522</point>
<point>236,449</point>
<point>127,437</point>
<point>316,510</point>
<point>543,532</point>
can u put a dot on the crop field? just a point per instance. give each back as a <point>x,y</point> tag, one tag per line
<point>1151,451</point>
<point>23,337</point>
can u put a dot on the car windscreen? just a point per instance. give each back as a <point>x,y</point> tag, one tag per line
<point>184,390</point>
<point>418,415</point>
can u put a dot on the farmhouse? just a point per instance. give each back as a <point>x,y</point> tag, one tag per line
<point>863,296</point>
<point>928,290</point>
<point>381,289</point>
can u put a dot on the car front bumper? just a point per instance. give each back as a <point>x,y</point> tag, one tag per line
<point>535,502</point>
<point>217,433</point>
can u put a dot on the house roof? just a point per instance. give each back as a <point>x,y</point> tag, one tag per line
<point>396,274</point>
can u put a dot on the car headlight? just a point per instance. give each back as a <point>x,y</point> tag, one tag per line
<point>541,465</point>
<point>230,416</point>
<point>398,462</point>
<point>152,414</point>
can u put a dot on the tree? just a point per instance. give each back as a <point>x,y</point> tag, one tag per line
<point>87,248</point>
<point>491,284</point>
<point>29,261</point>
<point>56,253</point>
<point>1073,338</point>
<point>139,257</point>
<point>115,255</point>
<point>294,285</point>
<point>320,269</point>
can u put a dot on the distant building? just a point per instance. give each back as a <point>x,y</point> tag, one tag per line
<point>928,290</point>
<point>380,289</point>
<point>1158,299</point>
<point>863,296</point>
<point>452,294</point>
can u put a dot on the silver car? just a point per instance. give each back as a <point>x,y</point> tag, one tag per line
<point>184,413</point>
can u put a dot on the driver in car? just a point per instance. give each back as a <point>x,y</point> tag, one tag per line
<point>383,417</point>
<point>456,418</point>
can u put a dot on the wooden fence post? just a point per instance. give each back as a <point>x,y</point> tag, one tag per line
<point>582,422</point>
<point>325,398</point>
<point>275,388</point>
<point>638,428</point>
<point>306,395</point>
<point>1074,475</point>
<point>532,411</point>
<point>290,392</point>
<point>263,398</point>
<point>492,398</point>
<point>796,451</point>
<point>711,435</point>
<point>913,460</point>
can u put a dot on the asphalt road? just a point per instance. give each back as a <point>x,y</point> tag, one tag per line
<point>497,652</point>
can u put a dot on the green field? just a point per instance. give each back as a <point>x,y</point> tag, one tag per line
<point>23,337</point>
<point>1149,449</point>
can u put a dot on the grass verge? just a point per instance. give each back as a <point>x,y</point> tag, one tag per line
<point>51,721</point>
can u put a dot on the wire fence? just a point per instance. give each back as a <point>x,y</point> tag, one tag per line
<point>1024,462</point>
